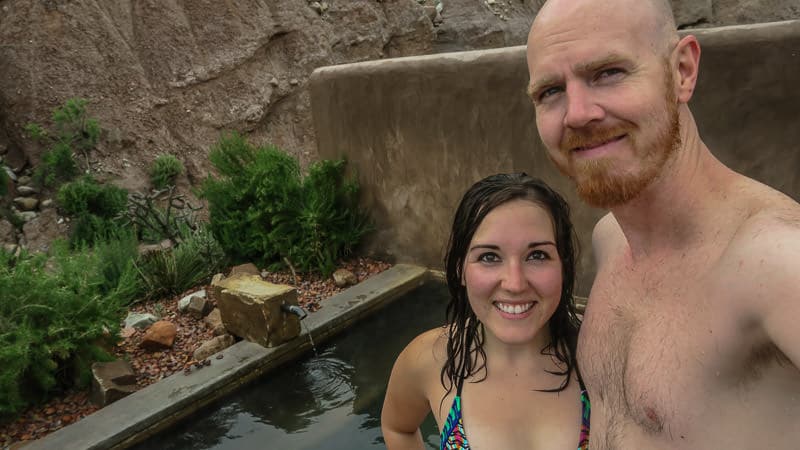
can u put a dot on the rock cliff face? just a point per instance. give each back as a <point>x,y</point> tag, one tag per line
<point>168,75</point>
<point>171,75</point>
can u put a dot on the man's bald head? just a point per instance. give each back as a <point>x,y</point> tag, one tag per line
<point>653,19</point>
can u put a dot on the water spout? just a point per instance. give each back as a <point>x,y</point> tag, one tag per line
<point>294,309</point>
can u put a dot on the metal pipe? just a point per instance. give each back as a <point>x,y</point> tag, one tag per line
<point>294,309</point>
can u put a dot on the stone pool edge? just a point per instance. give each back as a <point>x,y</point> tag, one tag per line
<point>158,406</point>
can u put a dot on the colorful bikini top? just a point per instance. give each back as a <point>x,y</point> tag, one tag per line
<point>455,438</point>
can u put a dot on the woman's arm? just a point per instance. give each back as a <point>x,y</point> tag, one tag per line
<point>407,404</point>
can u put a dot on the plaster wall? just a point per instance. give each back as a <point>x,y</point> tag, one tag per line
<point>418,131</point>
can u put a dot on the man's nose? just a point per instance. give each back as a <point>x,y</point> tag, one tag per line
<point>581,107</point>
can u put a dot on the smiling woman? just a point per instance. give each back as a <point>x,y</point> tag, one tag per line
<point>511,331</point>
<point>513,280</point>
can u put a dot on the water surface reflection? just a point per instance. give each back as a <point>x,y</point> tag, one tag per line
<point>331,401</point>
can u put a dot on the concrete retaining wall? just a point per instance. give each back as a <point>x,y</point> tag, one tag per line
<point>418,131</point>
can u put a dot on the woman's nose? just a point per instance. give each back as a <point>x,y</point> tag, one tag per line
<point>514,278</point>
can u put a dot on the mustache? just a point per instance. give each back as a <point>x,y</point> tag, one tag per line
<point>590,136</point>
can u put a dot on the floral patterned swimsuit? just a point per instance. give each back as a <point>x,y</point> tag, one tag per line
<point>455,438</point>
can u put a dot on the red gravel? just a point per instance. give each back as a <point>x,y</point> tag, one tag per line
<point>37,422</point>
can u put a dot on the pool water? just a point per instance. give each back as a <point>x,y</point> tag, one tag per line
<point>328,401</point>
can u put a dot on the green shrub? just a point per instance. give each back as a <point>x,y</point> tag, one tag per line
<point>261,209</point>
<point>95,208</point>
<point>86,195</point>
<point>53,318</point>
<point>74,127</point>
<point>254,185</point>
<point>116,254</point>
<point>73,131</point>
<point>193,261</point>
<point>164,170</point>
<point>326,224</point>
<point>58,166</point>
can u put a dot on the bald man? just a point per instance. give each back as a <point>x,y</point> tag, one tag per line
<point>691,337</point>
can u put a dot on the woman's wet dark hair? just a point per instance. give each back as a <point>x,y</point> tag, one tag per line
<point>465,353</point>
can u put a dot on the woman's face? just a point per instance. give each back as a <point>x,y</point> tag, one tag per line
<point>512,273</point>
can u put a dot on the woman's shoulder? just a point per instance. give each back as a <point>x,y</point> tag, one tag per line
<point>426,352</point>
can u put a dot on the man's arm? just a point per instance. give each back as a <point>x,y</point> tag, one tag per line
<point>765,264</point>
<point>778,278</point>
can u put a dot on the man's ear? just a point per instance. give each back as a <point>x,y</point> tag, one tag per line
<point>687,61</point>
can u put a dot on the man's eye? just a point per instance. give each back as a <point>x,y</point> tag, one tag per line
<point>488,258</point>
<point>549,92</point>
<point>610,72</point>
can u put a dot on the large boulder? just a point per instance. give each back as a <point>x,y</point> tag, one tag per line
<point>251,309</point>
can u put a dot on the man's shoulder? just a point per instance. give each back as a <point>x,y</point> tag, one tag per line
<point>776,217</point>
<point>765,206</point>
<point>763,255</point>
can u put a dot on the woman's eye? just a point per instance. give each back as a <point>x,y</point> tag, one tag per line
<point>488,257</point>
<point>539,255</point>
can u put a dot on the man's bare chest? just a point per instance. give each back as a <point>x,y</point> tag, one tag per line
<point>649,342</point>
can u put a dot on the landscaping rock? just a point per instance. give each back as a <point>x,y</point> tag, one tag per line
<point>140,321</point>
<point>212,346</point>
<point>26,203</point>
<point>214,322</point>
<point>245,269</point>
<point>344,278</point>
<point>159,336</point>
<point>111,381</point>
<point>10,173</point>
<point>27,216</point>
<point>183,303</point>
<point>198,307</point>
<point>251,309</point>
<point>127,332</point>
<point>145,249</point>
<point>26,191</point>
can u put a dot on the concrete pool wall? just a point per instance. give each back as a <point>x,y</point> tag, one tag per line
<point>419,130</point>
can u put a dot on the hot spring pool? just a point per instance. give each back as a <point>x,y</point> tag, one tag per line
<point>329,401</point>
